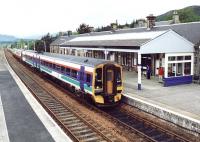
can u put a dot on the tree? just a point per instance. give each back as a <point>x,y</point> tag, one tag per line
<point>133,24</point>
<point>46,41</point>
<point>83,28</point>
<point>39,46</point>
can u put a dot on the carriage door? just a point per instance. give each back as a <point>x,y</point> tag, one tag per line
<point>81,78</point>
<point>33,61</point>
<point>109,81</point>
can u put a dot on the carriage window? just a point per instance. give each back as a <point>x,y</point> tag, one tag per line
<point>57,68</point>
<point>74,73</point>
<point>62,69</point>
<point>67,71</point>
<point>50,65</point>
<point>45,63</point>
<point>98,78</point>
<point>88,78</point>
<point>54,66</point>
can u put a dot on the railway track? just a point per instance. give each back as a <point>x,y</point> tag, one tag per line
<point>146,129</point>
<point>71,121</point>
<point>121,117</point>
<point>143,127</point>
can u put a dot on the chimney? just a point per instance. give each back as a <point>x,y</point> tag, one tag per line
<point>150,21</point>
<point>91,29</point>
<point>69,33</point>
<point>175,17</point>
<point>114,26</point>
<point>141,23</point>
<point>61,33</point>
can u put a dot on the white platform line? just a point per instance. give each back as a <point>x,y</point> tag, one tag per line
<point>52,127</point>
<point>3,128</point>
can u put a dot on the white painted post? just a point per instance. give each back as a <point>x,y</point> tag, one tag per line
<point>106,54</point>
<point>139,72</point>
<point>166,65</point>
<point>192,64</point>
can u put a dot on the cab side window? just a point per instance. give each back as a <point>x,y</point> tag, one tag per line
<point>118,75</point>
<point>98,78</point>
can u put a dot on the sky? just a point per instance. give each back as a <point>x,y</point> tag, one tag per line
<point>26,18</point>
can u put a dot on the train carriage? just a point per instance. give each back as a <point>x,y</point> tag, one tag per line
<point>97,78</point>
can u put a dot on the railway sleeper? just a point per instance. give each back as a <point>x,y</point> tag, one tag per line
<point>75,124</point>
<point>60,110</point>
<point>83,132</point>
<point>64,116</point>
<point>71,121</point>
<point>89,136</point>
<point>79,128</point>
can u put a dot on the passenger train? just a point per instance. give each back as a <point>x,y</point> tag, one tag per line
<point>99,79</point>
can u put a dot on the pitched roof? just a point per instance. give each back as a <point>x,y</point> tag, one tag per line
<point>121,39</point>
<point>116,43</point>
<point>190,31</point>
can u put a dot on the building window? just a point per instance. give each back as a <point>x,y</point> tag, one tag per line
<point>187,68</point>
<point>179,70</point>
<point>171,58</point>
<point>187,57</point>
<point>180,58</point>
<point>171,70</point>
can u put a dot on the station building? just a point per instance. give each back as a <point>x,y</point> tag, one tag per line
<point>174,47</point>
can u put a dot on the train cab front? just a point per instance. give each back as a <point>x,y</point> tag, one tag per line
<point>108,85</point>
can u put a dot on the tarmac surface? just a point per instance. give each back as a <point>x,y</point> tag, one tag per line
<point>183,99</point>
<point>19,121</point>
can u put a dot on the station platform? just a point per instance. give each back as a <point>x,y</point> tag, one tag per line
<point>178,104</point>
<point>22,118</point>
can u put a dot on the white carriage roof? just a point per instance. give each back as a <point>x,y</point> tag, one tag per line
<point>86,61</point>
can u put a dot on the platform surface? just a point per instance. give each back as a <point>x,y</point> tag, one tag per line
<point>19,122</point>
<point>183,99</point>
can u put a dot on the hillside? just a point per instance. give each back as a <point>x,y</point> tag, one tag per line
<point>187,14</point>
<point>7,38</point>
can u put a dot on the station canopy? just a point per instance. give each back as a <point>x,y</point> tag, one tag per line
<point>148,42</point>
